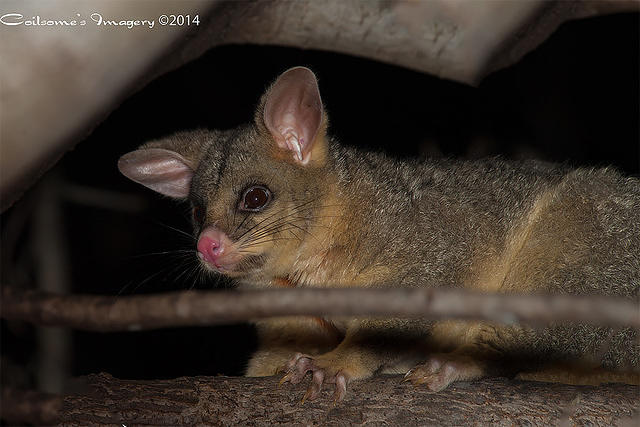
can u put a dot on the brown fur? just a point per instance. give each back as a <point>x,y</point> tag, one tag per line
<point>352,218</point>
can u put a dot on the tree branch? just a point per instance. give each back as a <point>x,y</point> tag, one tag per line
<point>102,313</point>
<point>383,399</point>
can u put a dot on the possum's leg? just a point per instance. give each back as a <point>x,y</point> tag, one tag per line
<point>566,354</point>
<point>468,351</point>
<point>442,369</point>
<point>278,338</point>
<point>368,347</point>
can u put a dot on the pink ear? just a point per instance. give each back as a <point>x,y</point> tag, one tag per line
<point>164,171</point>
<point>293,112</point>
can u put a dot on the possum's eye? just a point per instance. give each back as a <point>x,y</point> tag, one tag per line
<point>255,198</point>
<point>198,215</point>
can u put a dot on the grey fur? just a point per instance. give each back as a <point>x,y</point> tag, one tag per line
<point>440,222</point>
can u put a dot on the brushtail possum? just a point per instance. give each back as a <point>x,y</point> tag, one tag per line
<point>279,203</point>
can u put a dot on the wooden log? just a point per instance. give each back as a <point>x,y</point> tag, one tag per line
<point>381,400</point>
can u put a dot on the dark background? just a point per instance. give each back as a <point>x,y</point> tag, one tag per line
<point>574,99</point>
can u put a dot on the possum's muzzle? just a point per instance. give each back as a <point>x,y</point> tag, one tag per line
<point>217,251</point>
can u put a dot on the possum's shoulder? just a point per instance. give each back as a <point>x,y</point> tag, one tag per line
<point>444,174</point>
<point>496,186</point>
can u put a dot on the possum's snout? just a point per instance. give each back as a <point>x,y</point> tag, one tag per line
<point>217,250</point>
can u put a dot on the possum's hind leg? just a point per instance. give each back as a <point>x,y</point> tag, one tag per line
<point>478,350</point>
<point>559,353</point>
<point>442,369</point>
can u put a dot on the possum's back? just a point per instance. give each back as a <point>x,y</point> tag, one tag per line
<point>497,225</point>
<point>559,231</point>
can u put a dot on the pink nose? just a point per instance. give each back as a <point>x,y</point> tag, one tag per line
<point>216,249</point>
<point>210,249</point>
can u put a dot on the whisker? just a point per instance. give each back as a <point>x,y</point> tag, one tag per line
<point>264,239</point>
<point>177,252</point>
<point>274,224</point>
<point>178,259</point>
<point>271,240</point>
<point>271,216</point>
<point>295,235</point>
<point>277,225</point>
<point>266,234</point>
<point>241,223</point>
<point>303,230</point>
<point>181,232</point>
<point>152,276</point>
<point>187,271</point>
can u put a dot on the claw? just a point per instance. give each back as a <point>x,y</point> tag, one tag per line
<point>341,388</point>
<point>442,370</point>
<point>316,386</point>
<point>306,396</point>
<point>297,368</point>
<point>284,379</point>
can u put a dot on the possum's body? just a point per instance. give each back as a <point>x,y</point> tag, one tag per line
<point>278,203</point>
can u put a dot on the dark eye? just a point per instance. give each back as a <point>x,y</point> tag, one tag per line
<point>198,215</point>
<point>255,198</point>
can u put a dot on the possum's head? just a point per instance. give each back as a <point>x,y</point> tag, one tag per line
<point>254,190</point>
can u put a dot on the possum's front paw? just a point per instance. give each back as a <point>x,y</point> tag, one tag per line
<point>323,370</point>
<point>443,369</point>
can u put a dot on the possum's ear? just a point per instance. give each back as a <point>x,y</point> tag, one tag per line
<point>293,114</point>
<point>164,171</point>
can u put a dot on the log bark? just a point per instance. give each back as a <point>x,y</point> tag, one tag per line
<point>108,313</point>
<point>381,400</point>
